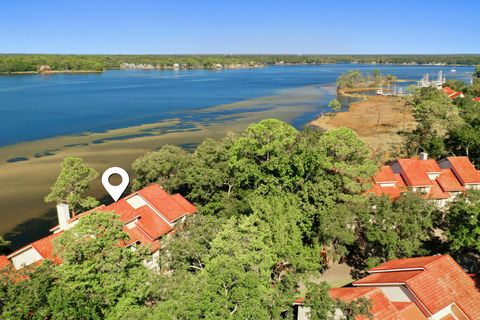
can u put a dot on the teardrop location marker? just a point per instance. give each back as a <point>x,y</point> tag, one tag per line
<point>115,191</point>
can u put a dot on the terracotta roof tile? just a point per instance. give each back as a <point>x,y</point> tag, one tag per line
<point>409,310</point>
<point>448,182</point>
<point>381,309</point>
<point>415,171</point>
<point>464,169</point>
<point>398,277</point>
<point>385,174</point>
<point>452,94</point>
<point>441,283</point>
<point>436,192</point>
<point>163,202</point>
<point>4,262</point>
<point>407,263</point>
<point>44,247</point>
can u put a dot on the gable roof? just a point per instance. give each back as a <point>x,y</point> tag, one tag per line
<point>415,171</point>
<point>464,169</point>
<point>436,281</point>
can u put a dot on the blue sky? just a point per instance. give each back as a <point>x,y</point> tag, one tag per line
<point>232,26</point>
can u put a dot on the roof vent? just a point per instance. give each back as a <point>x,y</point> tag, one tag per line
<point>423,156</point>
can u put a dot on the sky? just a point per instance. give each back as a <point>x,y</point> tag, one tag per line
<point>234,26</point>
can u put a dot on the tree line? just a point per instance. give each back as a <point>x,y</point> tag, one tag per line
<point>10,63</point>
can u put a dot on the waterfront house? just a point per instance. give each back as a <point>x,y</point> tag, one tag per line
<point>147,214</point>
<point>440,181</point>
<point>432,287</point>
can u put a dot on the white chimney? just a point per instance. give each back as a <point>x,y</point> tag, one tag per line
<point>423,156</point>
<point>63,216</point>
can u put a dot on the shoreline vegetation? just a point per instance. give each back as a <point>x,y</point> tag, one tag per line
<point>377,120</point>
<point>54,63</point>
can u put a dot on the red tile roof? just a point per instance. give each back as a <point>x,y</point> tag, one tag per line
<point>398,277</point>
<point>436,192</point>
<point>477,99</point>
<point>172,207</point>
<point>415,171</point>
<point>417,263</point>
<point>452,94</point>
<point>448,182</point>
<point>147,223</point>
<point>464,169</point>
<point>385,174</point>
<point>409,310</point>
<point>4,262</point>
<point>441,282</point>
<point>381,309</point>
<point>44,247</point>
<point>447,177</point>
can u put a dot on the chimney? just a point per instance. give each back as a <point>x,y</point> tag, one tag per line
<point>63,216</point>
<point>423,156</point>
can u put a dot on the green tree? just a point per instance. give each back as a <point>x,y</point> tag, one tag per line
<point>335,105</point>
<point>98,277</point>
<point>390,230</point>
<point>321,306</point>
<point>260,158</point>
<point>463,223</point>
<point>72,182</point>
<point>164,167</point>
<point>28,298</point>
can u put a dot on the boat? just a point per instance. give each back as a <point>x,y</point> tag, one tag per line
<point>453,70</point>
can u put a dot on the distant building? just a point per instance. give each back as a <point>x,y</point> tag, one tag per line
<point>147,215</point>
<point>433,288</point>
<point>477,99</point>
<point>44,68</point>
<point>441,181</point>
<point>452,94</point>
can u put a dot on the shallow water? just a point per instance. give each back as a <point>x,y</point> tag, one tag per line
<point>35,107</point>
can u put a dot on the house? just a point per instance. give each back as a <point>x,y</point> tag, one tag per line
<point>477,99</point>
<point>440,181</point>
<point>432,287</point>
<point>44,69</point>
<point>147,214</point>
<point>452,94</point>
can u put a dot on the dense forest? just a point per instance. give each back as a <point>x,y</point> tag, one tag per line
<point>31,62</point>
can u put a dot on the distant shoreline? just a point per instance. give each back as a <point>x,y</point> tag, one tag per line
<point>50,72</point>
<point>231,67</point>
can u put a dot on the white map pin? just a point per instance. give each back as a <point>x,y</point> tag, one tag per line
<point>115,191</point>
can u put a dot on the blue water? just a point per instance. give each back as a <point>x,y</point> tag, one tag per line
<point>40,106</point>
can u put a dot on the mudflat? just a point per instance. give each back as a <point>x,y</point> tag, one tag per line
<point>377,120</point>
